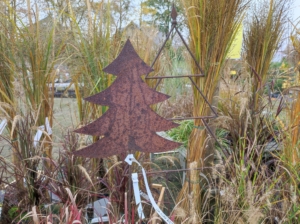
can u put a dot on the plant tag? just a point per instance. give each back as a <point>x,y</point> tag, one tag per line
<point>129,159</point>
<point>48,127</point>
<point>154,205</point>
<point>137,195</point>
<point>3,125</point>
<point>38,135</point>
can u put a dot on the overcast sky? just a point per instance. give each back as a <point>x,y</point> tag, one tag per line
<point>295,17</point>
<point>296,10</point>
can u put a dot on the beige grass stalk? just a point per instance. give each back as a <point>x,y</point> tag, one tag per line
<point>88,54</point>
<point>295,119</point>
<point>88,5</point>
<point>295,109</point>
<point>261,40</point>
<point>36,59</point>
<point>212,25</point>
<point>266,24</point>
<point>7,71</point>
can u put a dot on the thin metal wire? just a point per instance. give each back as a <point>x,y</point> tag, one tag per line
<point>174,77</point>
<point>125,175</point>
<point>190,118</point>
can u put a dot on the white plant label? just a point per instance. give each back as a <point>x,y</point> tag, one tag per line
<point>129,159</point>
<point>48,127</point>
<point>3,125</point>
<point>38,135</point>
<point>137,195</point>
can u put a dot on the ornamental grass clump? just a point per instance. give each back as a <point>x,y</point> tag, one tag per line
<point>28,189</point>
<point>248,186</point>
<point>270,197</point>
<point>264,28</point>
<point>28,57</point>
<point>87,53</point>
<point>212,26</point>
<point>252,181</point>
<point>7,76</point>
<point>73,172</point>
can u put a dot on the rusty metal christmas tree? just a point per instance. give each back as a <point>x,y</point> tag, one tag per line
<point>129,124</point>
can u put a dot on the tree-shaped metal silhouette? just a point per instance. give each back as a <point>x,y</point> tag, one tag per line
<point>129,124</point>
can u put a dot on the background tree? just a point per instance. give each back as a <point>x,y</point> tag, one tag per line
<point>120,12</point>
<point>159,12</point>
<point>65,11</point>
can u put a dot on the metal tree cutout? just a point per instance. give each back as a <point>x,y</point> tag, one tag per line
<point>129,124</point>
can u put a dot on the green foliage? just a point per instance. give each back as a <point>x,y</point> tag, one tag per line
<point>89,54</point>
<point>160,13</point>
<point>278,85</point>
<point>221,135</point>
<point>280,74</point>
<point>182,132</point>
<point>120,11</point>
<point>13,212</point>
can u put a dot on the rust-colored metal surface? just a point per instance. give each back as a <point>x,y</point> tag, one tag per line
<point>129,124</point>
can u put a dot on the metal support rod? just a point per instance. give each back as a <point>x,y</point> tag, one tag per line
<point>190,118</point>
<point>214,136</point>
<point>158,82</point>
<point>129,194</point>
<point>204,97</point>
<point>187,47</point>
<point>171,171</point>
<point>175,76</point>
<point>162,47</point>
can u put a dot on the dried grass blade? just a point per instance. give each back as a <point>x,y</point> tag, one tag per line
<point>14,124</point>
<point>83,170</point>
<point>71,196</point>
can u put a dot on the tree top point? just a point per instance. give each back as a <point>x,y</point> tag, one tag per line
<point>126,61</point>
<point>174,13</point>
